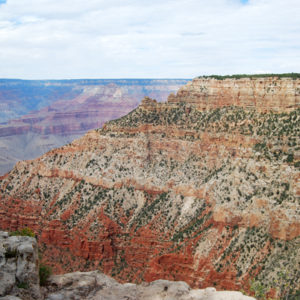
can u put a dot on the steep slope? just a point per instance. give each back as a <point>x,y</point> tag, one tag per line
<point>66,110</point>
<point>19,279</point>
<point>178,190</point>
<point>94,286</point>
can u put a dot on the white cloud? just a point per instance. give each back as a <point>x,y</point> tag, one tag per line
<point>139,38</point>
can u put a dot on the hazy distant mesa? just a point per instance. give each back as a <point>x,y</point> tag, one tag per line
<point>37,116</point>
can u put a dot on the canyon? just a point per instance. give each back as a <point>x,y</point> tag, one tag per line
<point>203,188</point>
<point>37,116</point>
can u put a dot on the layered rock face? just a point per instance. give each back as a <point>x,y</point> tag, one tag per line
<point>53,113</point>
<point>19,274</point>
<point>261,94</point>
<point>169,191</point>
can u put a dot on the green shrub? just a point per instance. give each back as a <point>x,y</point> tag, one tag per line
<point>44,273</point>
<point>23,285</point>
<point>259,289</point>
<point>297,164</point>
<point>23,232</point>
<point>290,158</point>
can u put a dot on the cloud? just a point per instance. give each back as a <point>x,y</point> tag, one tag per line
<point>139,38</point>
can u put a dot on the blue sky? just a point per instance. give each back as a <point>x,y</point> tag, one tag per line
<point>47,39</point>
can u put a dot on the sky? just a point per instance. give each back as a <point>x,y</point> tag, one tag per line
<point>61,39</point>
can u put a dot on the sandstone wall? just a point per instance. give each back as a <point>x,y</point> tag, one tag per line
<point>262,94</point>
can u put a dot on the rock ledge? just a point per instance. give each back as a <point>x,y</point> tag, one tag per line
<point>95,285</point>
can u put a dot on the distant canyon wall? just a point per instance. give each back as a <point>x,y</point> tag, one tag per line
<point>38,116</point>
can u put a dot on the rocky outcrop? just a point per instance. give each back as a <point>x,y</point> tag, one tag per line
<point>18,267</point>
<point>95,285</point>
<point>168,192</point>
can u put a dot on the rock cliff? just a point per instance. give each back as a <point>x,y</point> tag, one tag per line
<point>262,94</point>
<point>171,191</point>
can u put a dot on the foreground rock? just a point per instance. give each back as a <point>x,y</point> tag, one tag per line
<point>95,285</point>
<point>19,274</point>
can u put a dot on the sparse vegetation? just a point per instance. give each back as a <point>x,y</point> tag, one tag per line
<point>258,289</point>
<point>252,76</point>
<point>23,232</point>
